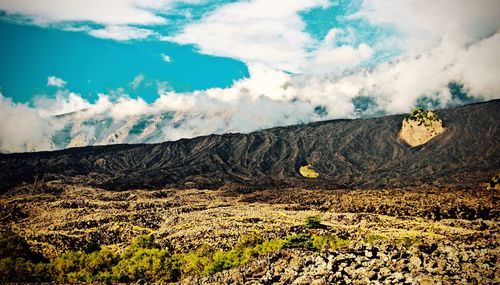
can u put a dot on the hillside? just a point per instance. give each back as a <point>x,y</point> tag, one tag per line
<point>362,153</point>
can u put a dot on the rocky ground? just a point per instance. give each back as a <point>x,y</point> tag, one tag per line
<point>437,263</point>
<point>401,236</point>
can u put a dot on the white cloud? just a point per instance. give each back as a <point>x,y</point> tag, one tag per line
<point>22,128</point>
<point>425,23</point>
<point>117,16</point>
<point>270,97</point>
<point>396,86</point>
<point>63,102</point>
<point>332,58</point>
<point>166,58</point>
<point>121,33</point>
<point>257,31</point>
<point>242,30</point>
<point>125,107</point>
<point>478,67</point>
<point>55,81</point>
<point>109,12</point>
<point>137,81</point>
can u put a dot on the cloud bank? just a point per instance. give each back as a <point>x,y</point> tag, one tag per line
<point>22,128</point>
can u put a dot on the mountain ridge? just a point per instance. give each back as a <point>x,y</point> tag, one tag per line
<point>357,153</point>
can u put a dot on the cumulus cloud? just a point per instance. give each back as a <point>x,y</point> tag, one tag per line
<point>425,23</point>
<point>257,31</point>
<point>55,81</point>
<point>478,67</point>
<point>241,30</point>
<point>333,58</point>
<point>397,86</point>
<point>444,41</point>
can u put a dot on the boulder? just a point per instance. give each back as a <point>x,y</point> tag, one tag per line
<point>419,127</point>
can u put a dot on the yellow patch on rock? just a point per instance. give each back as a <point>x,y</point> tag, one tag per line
<point>308,172</point>
<point>419,127</point>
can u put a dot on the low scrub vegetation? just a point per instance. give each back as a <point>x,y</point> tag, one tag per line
<point>143,260</point>
<point>313,222</point>
<point>422,116</point>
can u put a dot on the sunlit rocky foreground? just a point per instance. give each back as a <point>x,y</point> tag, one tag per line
<point>412,236</point>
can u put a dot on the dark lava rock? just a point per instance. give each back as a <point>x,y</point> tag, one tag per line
<point>362,153</point>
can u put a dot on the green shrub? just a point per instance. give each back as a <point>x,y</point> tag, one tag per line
<point>65,267</point>
<point>298,241</point>
<point>206,261</point>
<point>249,240</point>
<point>143,260</point>
<point>269,246</point>
<point>150,264</point>
<point>314,242</point>
<point>18,263</point>
<point>194,263</point>
<point>142,241</point>
<point>21,270</point>
<point>101,261</point>
<point>77,266</point>
<point>328,242</point>
<point>222,261</point>
<point>248,247</point>
<point>421,116</point>
<point>313,222</point>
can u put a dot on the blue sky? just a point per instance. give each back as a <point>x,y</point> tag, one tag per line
<point>170,69</point>
<point>90,65</point>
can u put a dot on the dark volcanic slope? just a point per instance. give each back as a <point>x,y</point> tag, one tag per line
<point>347,153</point>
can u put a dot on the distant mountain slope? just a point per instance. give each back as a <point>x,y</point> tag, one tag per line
<point>362,153</point>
